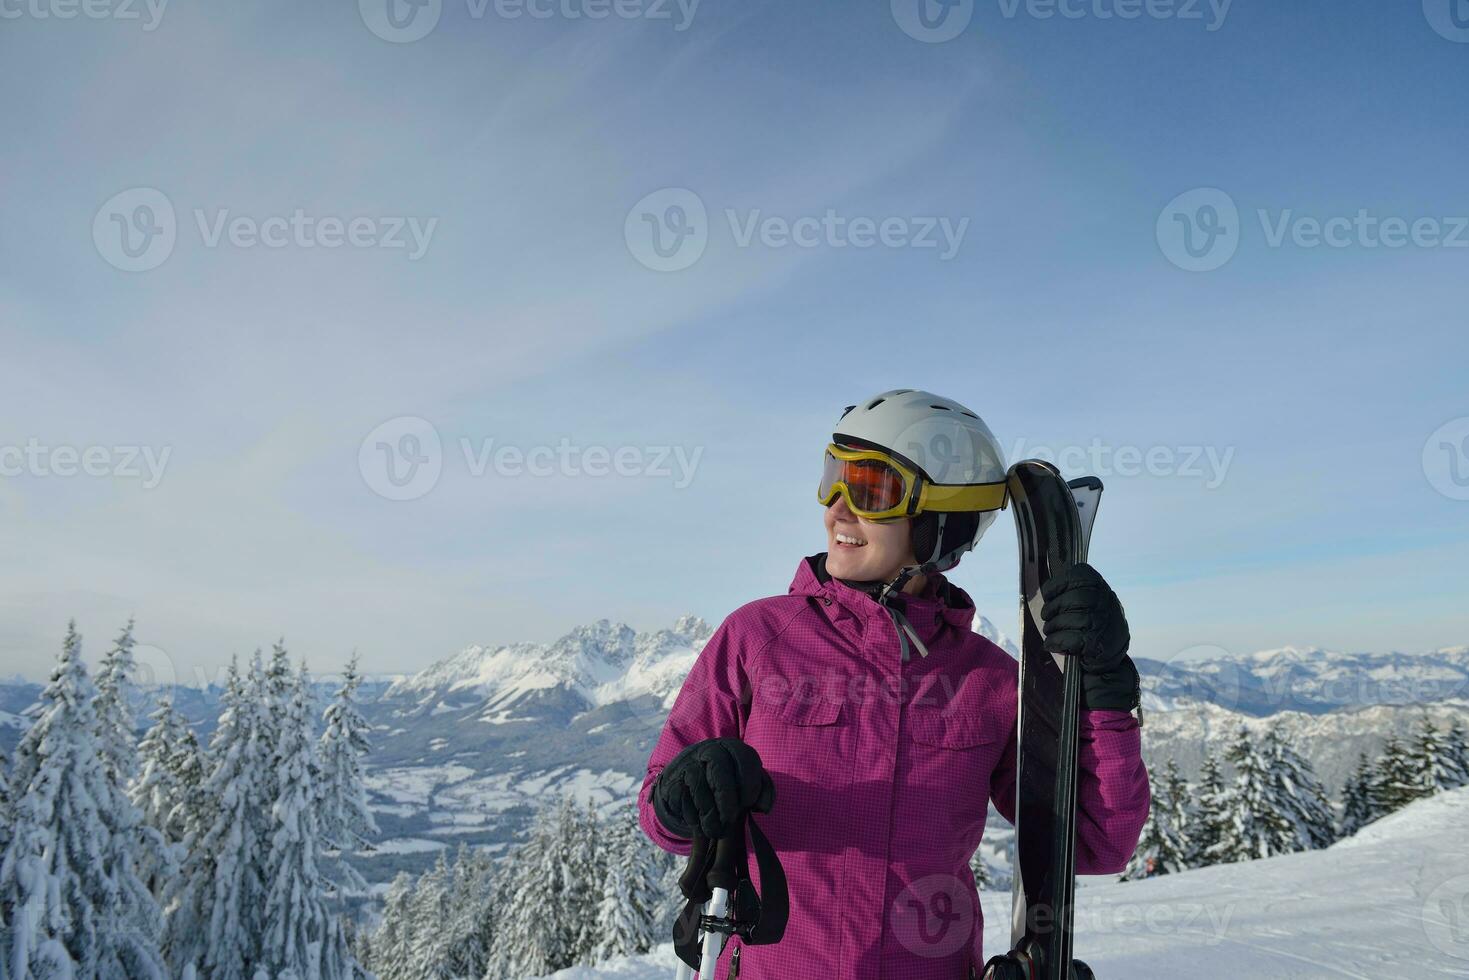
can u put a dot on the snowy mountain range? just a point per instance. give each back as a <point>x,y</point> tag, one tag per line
<point>1306,679</point>
<point>469,747</point>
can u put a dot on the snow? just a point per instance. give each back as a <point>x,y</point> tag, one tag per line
<point>396,809</point>
<point>601,662</point>
<point>406,845</point>
<point>414,784</point>
<point>1381,904</point>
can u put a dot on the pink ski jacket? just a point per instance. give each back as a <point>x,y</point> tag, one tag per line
<point>883,771</point>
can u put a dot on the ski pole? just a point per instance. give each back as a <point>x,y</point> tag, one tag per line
<point>719,876</point>
<point>713,941</point>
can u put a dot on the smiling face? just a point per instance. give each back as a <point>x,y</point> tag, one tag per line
<point>863,551</point>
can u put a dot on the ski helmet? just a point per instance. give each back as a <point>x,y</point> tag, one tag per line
<point>948,446</point>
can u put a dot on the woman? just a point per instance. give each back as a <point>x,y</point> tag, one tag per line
<point>879,722</point>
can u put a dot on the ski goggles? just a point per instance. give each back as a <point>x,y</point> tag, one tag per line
<point>879,486</point>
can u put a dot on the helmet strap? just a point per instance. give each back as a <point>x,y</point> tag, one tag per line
<point>938,542</point>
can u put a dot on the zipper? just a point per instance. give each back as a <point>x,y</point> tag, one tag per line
<point>734,964</point>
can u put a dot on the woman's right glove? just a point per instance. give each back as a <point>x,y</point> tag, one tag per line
<point>709,786</point>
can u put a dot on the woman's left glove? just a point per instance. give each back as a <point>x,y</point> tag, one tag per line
<point>1084,619</point>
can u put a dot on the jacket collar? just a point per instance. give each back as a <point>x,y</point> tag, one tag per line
<point>941,601</point>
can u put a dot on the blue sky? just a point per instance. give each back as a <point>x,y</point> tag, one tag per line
<point>525,150</point>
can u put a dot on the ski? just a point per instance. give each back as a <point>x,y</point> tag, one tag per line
<point>1053,521</point>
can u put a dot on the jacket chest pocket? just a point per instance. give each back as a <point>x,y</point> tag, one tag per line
<point>949,730</point>
<point>801,735</point>
<point>956,747</point>
<point>811,713</point>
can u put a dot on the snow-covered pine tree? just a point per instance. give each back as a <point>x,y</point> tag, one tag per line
<point>428,911</point>
<point>62,886</point>
<point>7,812</point>
<point>1395,781</point>
<point>983,879</point>
<point>586,861</point>
<point>1435,769</point>
<point>470,921</point>
<point>1145,855</point>
<point>536,931</point>
<point>1298,795</point>
<point>141,855</point>
<point>1356,798</point>
<point>275,703</point>
<point>346,820</point>
<point>628,884</point>
<point>1206,819</point>
<point>171,772</point>
<point>116,732</point>
<point>1177,801</point>
<point>303,939</point>
<point>390,952</point>
<point>1456,751</point>
<point>215,921</point>
<point>1163,846</point>
<point>1254,827</point>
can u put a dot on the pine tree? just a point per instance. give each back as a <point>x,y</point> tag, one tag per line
<point>217,921</point>
<point>1163,846</point>
<point>629,899</point>
<point>1145,856</point>
<point>1298,795</point>
<point>140,855</point>
<point>470,922</point>
<point>585,861</point>
<point>171,772</point>
<point>1253,826</point>
<point>427,911</point>
<point>1206,818</point>
<point>275,703</point>
<point>543,903</point>
<point>65,885</point>
<point>390,952</point>
<point>983,878</point>
<point>1356,797</point>
<point>1395,781</point>
<point>1456,751</point>
<point>346,820</point>
<point>7,810</point>
<point>116,733</point>
<point>1433,766</point>
<point>303,940</point>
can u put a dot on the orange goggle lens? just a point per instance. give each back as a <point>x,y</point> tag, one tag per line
<point>872,485</point>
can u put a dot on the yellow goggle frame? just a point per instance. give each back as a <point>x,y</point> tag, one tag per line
<point>931,496</point>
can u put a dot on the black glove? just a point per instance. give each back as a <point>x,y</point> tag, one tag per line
<point>709,785</point>
<point>1084,619</point>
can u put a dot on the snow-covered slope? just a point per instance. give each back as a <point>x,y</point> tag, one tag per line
<point>1390,902</point>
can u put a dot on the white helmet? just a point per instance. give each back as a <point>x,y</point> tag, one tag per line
<point>947,444</point>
